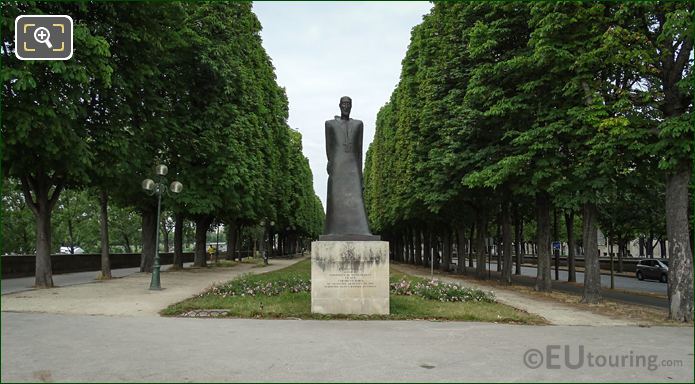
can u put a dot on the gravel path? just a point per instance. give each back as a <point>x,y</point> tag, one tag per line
<point>130,296</point>
<point>555,313</point>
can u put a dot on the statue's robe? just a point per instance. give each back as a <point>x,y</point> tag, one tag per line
<point>345,212</point>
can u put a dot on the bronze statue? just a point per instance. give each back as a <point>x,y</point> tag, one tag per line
<point>346,218</point>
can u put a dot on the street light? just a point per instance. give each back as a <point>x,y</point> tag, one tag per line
<point>159,188</point>
<point>270,243</point>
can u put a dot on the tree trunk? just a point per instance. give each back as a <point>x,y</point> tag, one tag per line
<point>418,246</point>
<point>507,242</point>
<point>680,274</point>
<point>641,246</point>
<point>231,239</point>
<point>427,254</point>
<point>41,208</point>
<point>402,247</point>
<point>446,249</point>
<point>149,233</point>
<point>392,246</point>
<point>498,254</point>
<point>436,248</point>
<point>44,270</point>
<point>126,240</point>
<point>178,241</point>
<point>409,241</point>
<point>470,246</point>
<point>165,233</point>
<point>71,237</point>
<point>518,234</point>
<point>592,268</point>
<point>202,224</point>
<point>571,261</point>
<point>480,248</point>
<point>399,247</point>
<point>543,280</point>
<point>460,249</point>
<point>650,246</point>
<point>104,229</point>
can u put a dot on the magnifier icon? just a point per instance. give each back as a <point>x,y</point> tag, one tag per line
<point>41,35</point>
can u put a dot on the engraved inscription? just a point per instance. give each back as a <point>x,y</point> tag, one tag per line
<point>350,280</point>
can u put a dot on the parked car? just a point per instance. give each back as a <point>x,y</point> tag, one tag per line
<point>66,250</point>
<point>656,269</point>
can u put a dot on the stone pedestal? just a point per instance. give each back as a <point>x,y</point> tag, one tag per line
<point>350,277</point>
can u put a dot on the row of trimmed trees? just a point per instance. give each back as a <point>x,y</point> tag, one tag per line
<point>184,84</point>
<point>513,113</point>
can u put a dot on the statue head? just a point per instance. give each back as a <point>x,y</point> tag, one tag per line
<point>345,106</point>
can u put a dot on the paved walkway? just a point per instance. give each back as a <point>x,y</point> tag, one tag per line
<point>19,284</point>
<point>129,296</point>
<point>78,348</point>
<point>556,313</point>
<point>52,335</point>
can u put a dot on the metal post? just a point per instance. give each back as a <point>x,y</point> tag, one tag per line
<point>612,274</point>
<point>267,248</point>
<point>217,245</point>
<point>155,283</point>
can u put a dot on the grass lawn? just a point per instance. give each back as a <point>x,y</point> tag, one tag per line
<point>298,304</point>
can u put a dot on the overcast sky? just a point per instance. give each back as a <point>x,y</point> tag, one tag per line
<point>324,50</point>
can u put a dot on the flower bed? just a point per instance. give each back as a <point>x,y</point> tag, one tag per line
<point>437,290</point>
<point>295,283</point>
<point>252,287</point>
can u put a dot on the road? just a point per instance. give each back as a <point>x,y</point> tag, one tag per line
<point>621,282</point>
<point>51,347</point>
<point>648,292</point>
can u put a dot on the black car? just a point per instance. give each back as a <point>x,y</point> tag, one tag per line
<point>656,269</point>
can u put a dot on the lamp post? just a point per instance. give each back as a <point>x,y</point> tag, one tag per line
<point>217,243</point>
<point>159,188</point>
<point>270,243</point>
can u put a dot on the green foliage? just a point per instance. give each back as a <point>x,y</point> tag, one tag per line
<point>45,103</point>
<point>184,84</point>
<point>18,224</point>
<point>502,100</point>
<point>76,221</point>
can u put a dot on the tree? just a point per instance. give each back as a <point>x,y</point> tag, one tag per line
<point>45,116</point>
<point>131,122</point>
<point>665,31</point>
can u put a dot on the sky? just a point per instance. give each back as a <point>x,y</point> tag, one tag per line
<point>324,50</point>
